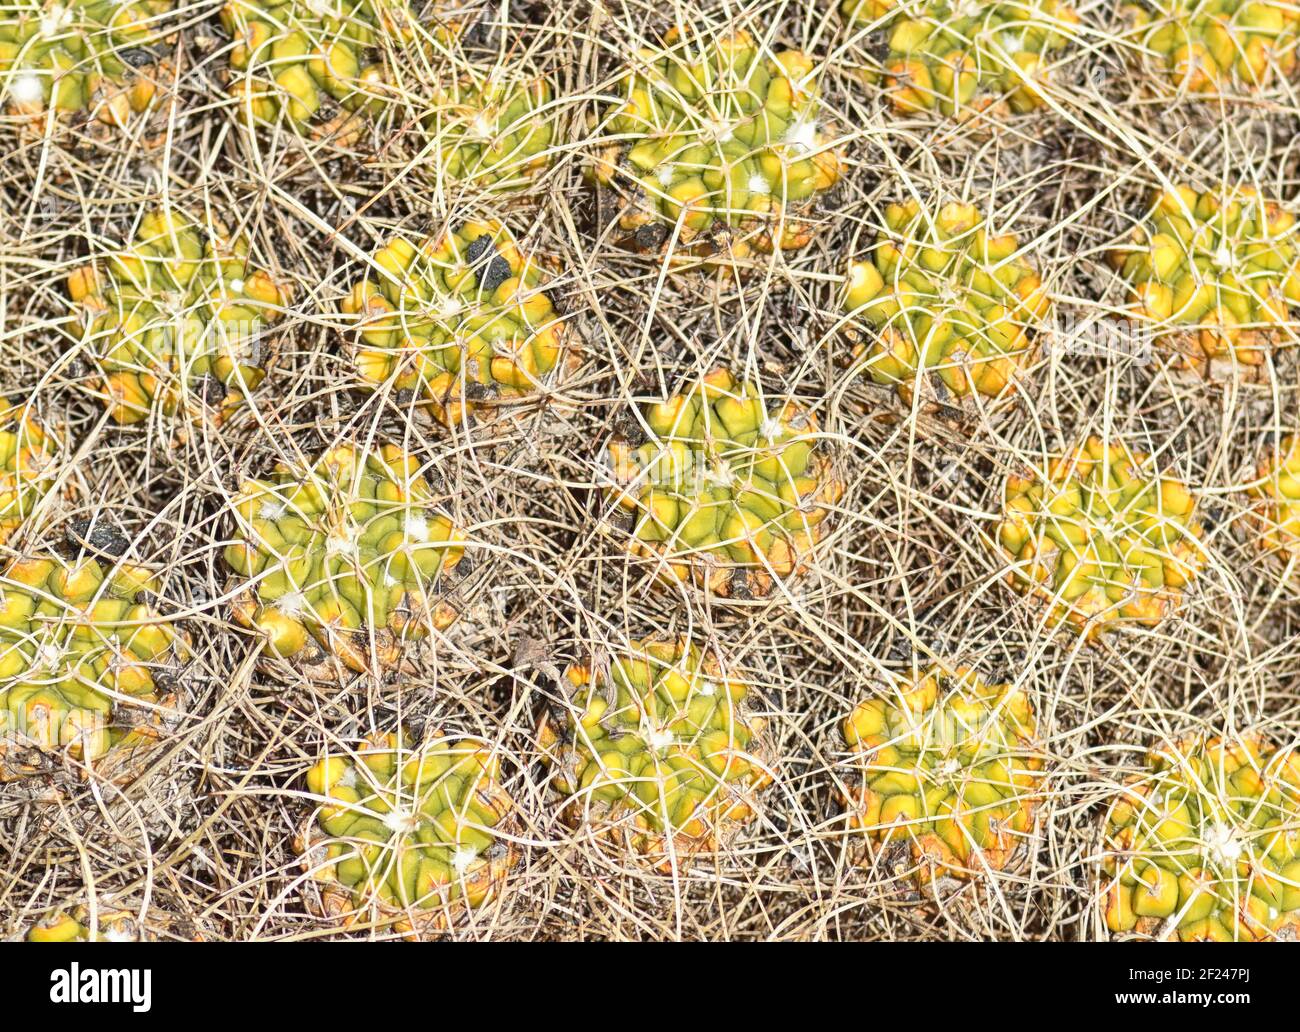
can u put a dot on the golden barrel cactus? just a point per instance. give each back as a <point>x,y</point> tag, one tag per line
<point>29,465</point>
<point>346,558</point>
<point>1204,845</point>
<point>1098,539</point>
<point>965,59</point>
<point>179,319</point>
<point>85,665</point>
<point>407,836</point>
<point>718,144</point>
<point>462,321</point>
<point>655,750</point>
<point>1216,47</point>
<point>944,311</point>
<point>1212,276</point>
<point>720,486</point>
<point>942,776</point>
<point>103,60</point>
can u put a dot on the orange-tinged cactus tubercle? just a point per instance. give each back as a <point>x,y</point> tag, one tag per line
<point>99,59</point>
<point>1275,504</point>
<point>964,61</point>
<point>1216,48</point>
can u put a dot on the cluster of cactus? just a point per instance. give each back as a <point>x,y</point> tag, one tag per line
<point>1204,845</point>
<point>345,558</point>
<point>942,776</point>
<point>101,59</point>
<point>655,750</point>
<point>714,144</point>
<point>963,59</point>
<point>718,143</point>
<point>1098,539</point>
<point>83,665</point>
<point>722,488</point>
<point>1217,46</point>
<point>178,319</point>
<point>294,60</point>
<point>407,836</point>
<point>460,322</point>
<point>492,133</point>
<point>1212,276</point>
<point>944,311</point>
